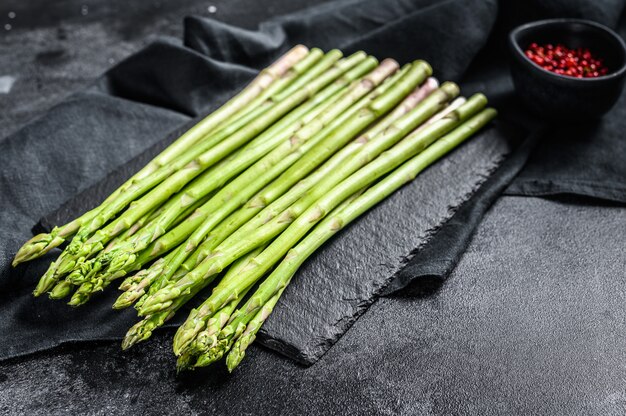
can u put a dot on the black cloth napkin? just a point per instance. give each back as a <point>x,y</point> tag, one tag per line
<point>586,159</point>
<point>155,91</point>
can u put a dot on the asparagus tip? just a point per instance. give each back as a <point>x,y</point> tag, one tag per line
<point>184,336</point>
<point>36,247</point>
<point>234,358</point>
<point>126,299</point>
<point>61,290</point>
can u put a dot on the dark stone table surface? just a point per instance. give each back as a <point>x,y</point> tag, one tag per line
<point>532,321</point>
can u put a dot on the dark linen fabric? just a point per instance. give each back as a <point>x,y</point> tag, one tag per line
<point>159,88</point>
<point>582,159</point>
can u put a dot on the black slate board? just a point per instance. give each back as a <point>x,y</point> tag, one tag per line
<point>347,274</point>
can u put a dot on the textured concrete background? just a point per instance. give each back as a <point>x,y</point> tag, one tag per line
<point>531,322</point>
<point>50,49</point>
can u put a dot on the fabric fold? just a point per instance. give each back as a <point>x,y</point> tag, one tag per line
<point>171,76</point>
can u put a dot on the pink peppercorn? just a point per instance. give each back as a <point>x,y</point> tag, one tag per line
<point>578,63</point>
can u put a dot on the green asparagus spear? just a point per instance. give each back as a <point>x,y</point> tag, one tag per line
<point>224,203</point>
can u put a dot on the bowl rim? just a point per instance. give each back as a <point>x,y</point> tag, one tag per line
<point>519,53</point>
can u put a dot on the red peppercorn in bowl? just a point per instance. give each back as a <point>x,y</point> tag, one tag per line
<point>578,63</point>
<point>567,68</point>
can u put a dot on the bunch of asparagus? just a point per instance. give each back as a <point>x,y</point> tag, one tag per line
<point>243,198</point>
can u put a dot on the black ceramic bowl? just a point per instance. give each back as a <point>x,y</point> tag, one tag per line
<point>559,96</point>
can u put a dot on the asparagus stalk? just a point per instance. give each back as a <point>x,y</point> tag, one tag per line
<point>86,271</point>
<point>43,243</point>
<point>173,204</point>
<point>300,224</point>
<point>131,283</point>
<point>204,345</point>
<point>253,191</point>
<point>267,141</point>
<point>297,70</point>
<point>82,294</point>
<point>240,319</point>
<point>385,136</point>
<point>135,286</point>
<point>134,228</point>
<point>207,338</point>
<point>61,290</point>
<point>241,137</point>
<point>401,87</point>
<point>276,134</point>
<point>268,293</point>
<point>140,185</point>
<point>117,271</point>
<point>207,348</point>
<point>240,217</point>
<point>290,151</point>
<point>120,268</point>
<point>248,335</point>
<point>255,89</point>
<point>176,236</point>
<point>184,172</point>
